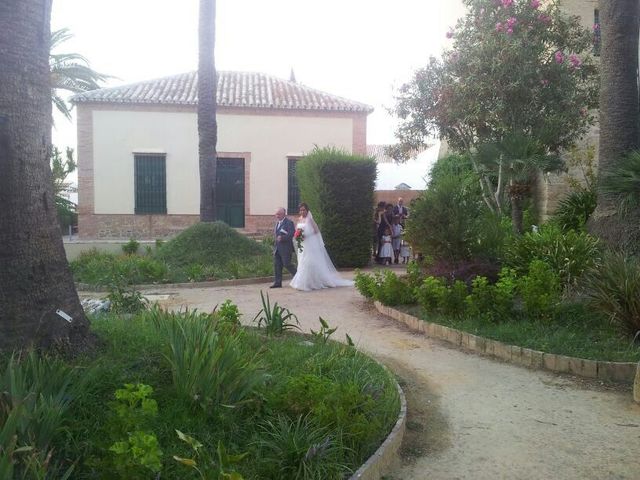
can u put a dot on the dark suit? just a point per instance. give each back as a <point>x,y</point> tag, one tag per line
<point>283,249</point>
<point>400,210</point>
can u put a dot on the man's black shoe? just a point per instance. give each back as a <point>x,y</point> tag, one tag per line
<point>275,286</point>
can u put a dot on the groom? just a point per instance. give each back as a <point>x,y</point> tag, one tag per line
<point>282,246</point>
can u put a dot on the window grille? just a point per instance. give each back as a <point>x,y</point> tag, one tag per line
<point>150,172</point>
<point>293,193</point>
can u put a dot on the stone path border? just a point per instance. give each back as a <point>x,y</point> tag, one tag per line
<point>619,372</point>
<point>382,459</point>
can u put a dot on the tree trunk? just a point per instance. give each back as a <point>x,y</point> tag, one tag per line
<point>619,109</point>
<point>207,126</point>
<point>35,280</point>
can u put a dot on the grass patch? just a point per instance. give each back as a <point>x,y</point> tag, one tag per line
<point>323,408</point>
<point>574,330</point>
<point>205,251</point>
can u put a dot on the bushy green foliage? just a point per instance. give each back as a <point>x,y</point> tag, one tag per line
<point>430,293</point>
<point>453,302</point>
<point>540,290</point>
<point>100,268</point>
<point>131,247</point>
<point>209,244</point>
<point>386,287</point>
<point>574,210</point>
<point>126,300</point>
<point>614,290</point>
<point>220,468</point>
<point>338,187</point>
<point>492,302</point>
<point>568,254</point>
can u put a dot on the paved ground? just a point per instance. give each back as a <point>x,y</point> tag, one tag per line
<point>470,417</point>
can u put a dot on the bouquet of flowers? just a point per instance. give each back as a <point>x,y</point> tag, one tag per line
<point>299,238</point>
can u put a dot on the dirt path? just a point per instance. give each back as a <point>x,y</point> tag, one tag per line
<point>470,417</point>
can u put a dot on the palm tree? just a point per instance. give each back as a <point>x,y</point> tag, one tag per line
<point>619,123</point>
<point>207,126</point>
<point>70,72</point>
<point>36,285</point>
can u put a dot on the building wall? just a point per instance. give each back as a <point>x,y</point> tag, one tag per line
<point>109,135</point>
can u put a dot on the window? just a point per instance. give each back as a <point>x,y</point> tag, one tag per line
<point>293,194</point>
<point>150,174</point>
<point>596,32</point>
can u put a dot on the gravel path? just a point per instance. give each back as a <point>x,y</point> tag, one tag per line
<point>469,417</point>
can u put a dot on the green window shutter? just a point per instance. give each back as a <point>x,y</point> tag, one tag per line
<point>150,172</point>
<point>293,193</point>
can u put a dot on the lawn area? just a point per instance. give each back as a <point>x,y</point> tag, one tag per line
<point>574,331</point>
<point>297,406</point>
<point>206,251</point>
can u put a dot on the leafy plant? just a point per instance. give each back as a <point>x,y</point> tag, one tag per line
<point>490,302</point>
<point>574,210</point>
<point>324,333</point>
<point>365,284</point>
<point>624,182</point>
<point>131,247</point>
<point>431,293</point>
<point>452,302</point>
<point>614,290</point>
<point>568,254</point>
<point>275,319</point>
<point>540,290</point>
<point>209,367</point>
<point>140,450</point>
<point>126,300</point>
<point>208,468</point>
<point>392,290</point>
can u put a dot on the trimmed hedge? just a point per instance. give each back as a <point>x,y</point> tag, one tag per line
<point>338,187</point>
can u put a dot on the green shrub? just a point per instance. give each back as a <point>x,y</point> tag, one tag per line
<point>131,247</point>
<point>393,290</point>
<point>209,244</point>
<point>574,210</point>
<point>540,290</point>
<point>431,293</point>
<point>490,302</point>
<point>568,254</point>
<point>453,301</point>
<point>204,463</point>
<point>338,188</point>
<point>126,300</point>
<point>366,284</point>
<point>614,290</point>
<point>101,268</point>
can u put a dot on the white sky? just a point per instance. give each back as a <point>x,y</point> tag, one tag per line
<point>359,49</point>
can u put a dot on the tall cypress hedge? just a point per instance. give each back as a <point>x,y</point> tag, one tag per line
<point>338,187</point>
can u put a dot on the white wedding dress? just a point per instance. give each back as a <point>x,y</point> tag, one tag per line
<point>315,269</point>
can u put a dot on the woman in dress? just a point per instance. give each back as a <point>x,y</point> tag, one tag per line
<point>315,269</point>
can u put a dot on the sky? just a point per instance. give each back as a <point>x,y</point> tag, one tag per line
<point>358,49</point>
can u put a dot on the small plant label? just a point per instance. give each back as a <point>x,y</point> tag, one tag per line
<point>62,314</point>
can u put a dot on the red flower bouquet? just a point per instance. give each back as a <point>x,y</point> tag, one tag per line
<point>299,238</point>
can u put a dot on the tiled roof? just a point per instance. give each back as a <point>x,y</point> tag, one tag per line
<point>235,89</point>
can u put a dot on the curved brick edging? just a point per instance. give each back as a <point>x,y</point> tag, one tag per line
<point>379,463</point>
<point>620,372</point>
<point>214,283</point>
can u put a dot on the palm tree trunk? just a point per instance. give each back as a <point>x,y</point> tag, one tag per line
<point>619,109</point>
<point>35,280</point>
<point>207,126</point>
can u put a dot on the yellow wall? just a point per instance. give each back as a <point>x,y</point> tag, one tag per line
<point>269,140</point>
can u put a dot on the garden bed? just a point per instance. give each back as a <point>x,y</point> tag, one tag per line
<point>297,406</point>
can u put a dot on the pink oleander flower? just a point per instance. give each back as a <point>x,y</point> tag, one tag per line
<point>499,27</point>
<point>535,4</point>
<point>544,82</point>
<point>575,60</point>
<point>449,34</point>
<point>509,31</point>
<point>507,3</point>
<point>544,18</point>
<point>511,22</point>
<point>596,27</point>
<point>559,56</point>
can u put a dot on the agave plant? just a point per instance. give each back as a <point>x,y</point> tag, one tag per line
<point>275,319</point>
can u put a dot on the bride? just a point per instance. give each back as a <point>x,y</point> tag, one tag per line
<point>315,269</point>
